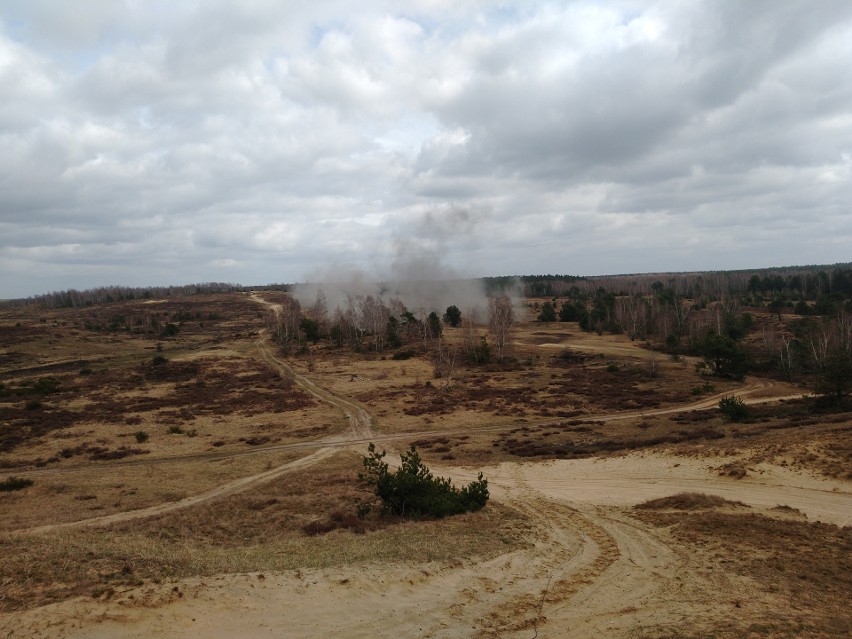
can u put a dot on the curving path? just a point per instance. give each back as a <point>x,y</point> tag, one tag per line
<point>589,568</point>
<point>361,432</point>
<point>360,429</point>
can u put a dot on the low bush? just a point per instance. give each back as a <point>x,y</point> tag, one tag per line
<point>412,491</point>
<point>169,330</point>
<point>707,387</point>
<point>733,408</point>
<point>141,436</point>
<point>15,483</point>
<point>337,520</point>
<point>688,501</point>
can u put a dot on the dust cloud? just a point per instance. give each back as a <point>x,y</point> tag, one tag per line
<point>416,271</point>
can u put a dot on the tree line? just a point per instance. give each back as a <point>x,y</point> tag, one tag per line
<point>813,341</point>
<point>73,298</point>
<point>368,323</point>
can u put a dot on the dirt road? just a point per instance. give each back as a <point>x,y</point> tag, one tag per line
<point>591,569</point>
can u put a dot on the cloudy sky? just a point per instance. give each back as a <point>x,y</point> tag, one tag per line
<point>149,142</point>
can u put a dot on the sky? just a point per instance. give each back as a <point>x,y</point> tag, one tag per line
<point>157,142</point>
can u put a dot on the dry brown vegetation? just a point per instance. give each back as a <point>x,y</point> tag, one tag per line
<point>107,416</point>
<point>86,393</point>
<point>277,527</point>
<point>688,501</point>
<point>805,568</point>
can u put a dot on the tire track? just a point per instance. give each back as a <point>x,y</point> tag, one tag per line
<point>360,425</point>
<point>588,566</point>
<point>363,425</point>
<point>230,488</point>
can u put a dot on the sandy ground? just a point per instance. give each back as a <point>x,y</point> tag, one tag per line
<point>593,570</point>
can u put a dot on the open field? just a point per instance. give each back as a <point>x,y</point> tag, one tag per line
<point>203,484</point>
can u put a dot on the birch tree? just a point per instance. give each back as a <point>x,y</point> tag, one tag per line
<point>501,318</point>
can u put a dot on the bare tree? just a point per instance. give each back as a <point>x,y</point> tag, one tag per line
<point>374,317</point>
<point>470,337</point>
<point>352,321</point>
<point>319,312</point>
<point>284,322</point>
<point>681,311</point>
<point>501,318</point>
<point>631,315</point>
<point>789,361</point>
<point>830,345</point>
<point>446,358</point>
<point>730,303</point>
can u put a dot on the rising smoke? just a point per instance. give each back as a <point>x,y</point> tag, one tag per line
<point>416,273</point>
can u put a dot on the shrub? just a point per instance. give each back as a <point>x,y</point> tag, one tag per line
<point>174,429</point>
<point>46,386</point>
<point>337,520</point>
<point>141,436</point>
<point>481,353</point>
<point>548,313</point>
<point>15,483</point>
<point>169,330</point>
<point>724,356</point>
<point>569,356</point>
<point>733,408</point>
<point>688,501</point>
<point>412,491</point>
<point>707,387</point>
<point>453,315</point>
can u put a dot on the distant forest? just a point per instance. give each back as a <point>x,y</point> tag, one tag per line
<point>793,284</point>
<point>794,323</point>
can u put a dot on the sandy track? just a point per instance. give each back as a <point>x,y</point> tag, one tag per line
<point>360,425</point>
<point>590,569</point>
<point>361,433</point>
<point>755,392</point>
<point>360,420</point>
<point>509,596</point>
<point>230,488</point>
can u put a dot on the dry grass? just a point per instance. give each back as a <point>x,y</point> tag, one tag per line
<point>689,501</point>
<point>95,490</point>
<point>798,575</point>
<point>205,391</point>
<point>214,386</point>
<point>258,531</point>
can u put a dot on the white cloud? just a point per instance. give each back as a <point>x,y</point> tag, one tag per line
<point>146,142</point>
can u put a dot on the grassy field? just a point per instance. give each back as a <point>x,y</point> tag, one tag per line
<point>106,417</point>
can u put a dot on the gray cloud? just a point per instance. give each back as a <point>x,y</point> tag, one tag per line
<point>163,143</point>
